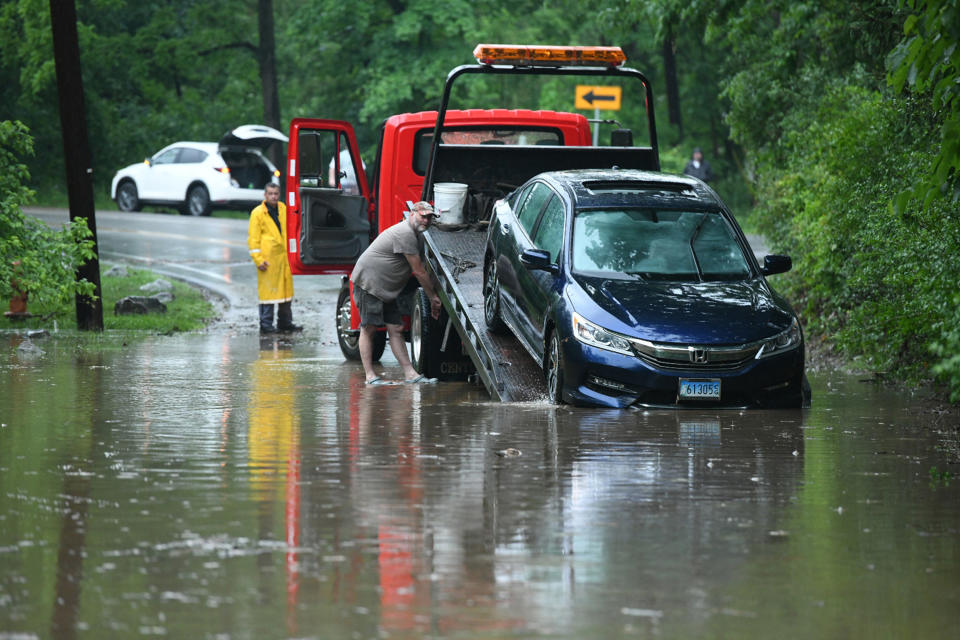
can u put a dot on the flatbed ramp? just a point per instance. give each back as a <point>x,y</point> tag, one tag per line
<point>455,259</point>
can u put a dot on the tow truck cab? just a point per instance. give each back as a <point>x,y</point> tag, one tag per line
<point>331,222</point>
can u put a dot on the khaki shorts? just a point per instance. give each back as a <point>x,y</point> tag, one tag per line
<point>374,311</point>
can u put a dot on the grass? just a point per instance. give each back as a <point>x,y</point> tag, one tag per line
<point>188,311</point>
<point>55,197</point>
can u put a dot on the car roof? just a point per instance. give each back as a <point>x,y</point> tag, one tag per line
<point>590,188</point>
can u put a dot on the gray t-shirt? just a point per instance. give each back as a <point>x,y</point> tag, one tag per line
<point>383,270</point>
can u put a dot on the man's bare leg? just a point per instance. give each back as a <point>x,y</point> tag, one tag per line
<point>399,347</point>
<point>366,350</point>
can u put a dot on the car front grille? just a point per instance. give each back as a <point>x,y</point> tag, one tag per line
<point>675,357</point>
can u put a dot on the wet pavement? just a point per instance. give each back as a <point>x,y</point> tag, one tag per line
<point>221,486</point>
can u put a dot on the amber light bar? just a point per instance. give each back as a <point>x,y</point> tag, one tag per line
<point>546,56</point>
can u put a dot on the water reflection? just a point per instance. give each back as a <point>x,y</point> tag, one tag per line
<point>217,486</point>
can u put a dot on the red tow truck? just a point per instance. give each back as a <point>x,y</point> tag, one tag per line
<point>334,210</point>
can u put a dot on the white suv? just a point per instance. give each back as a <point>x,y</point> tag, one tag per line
<point>195,177</point>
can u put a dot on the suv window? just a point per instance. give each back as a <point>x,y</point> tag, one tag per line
<point>533,205</point>
<point>549,235</point>
<point>191,156</point>
<point>167,157</point>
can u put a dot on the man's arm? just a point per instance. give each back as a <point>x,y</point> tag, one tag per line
<point>420,273</point>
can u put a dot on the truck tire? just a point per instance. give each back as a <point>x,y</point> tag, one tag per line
<point>350,342</point>
<point>424,337</point>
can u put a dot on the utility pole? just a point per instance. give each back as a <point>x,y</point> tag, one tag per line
<point>76,150</point>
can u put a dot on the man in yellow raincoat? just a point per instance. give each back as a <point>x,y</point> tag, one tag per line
<point>267,238</point>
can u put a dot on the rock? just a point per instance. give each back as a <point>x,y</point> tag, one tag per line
<point>27,350</point>
<point>132,305</point>
<point>163,296</point>
<point>157,285</point>
<point>119,271</point>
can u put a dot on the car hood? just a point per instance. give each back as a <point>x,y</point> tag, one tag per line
<point>252,135</point>
<point>684,312</point>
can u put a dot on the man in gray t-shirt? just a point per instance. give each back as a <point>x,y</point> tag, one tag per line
<point>379,277</point>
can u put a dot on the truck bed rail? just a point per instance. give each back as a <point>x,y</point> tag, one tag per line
<point>455,260</point>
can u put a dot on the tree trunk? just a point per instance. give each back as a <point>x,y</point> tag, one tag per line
<point>267,57</point>
<point>673,91</point>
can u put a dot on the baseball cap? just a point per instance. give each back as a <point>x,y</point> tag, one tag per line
<point>426,209</point>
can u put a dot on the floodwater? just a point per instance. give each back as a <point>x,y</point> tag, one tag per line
<point>219,486</point>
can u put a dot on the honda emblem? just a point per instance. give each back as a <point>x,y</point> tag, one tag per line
<point>698,356</point>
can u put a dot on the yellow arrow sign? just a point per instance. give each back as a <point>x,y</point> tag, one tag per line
<point>591,97</point>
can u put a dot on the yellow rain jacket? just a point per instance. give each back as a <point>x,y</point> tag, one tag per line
<point>269,243</point>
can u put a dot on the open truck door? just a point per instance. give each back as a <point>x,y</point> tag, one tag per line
<point>330,214</point>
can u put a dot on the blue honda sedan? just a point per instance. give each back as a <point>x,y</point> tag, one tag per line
<point>636,288</point>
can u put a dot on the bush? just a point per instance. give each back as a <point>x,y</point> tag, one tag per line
<point>40,260</point>
<point>877,282</point>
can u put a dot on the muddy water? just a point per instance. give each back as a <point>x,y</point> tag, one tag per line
<point>213,486</point>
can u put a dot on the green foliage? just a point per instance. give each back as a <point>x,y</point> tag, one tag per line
<point>33,257</point>
<point>927,60</point>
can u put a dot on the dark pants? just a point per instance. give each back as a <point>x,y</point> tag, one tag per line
<point>284,316</point>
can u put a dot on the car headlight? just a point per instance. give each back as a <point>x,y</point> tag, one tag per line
<point>785,341</point>
<point>596,336</point>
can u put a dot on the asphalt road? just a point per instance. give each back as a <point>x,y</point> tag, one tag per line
<point>207,252</point>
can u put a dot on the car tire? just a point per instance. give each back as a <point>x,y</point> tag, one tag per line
<point>491,298</point>
<point>553,369</point>
<point>350,342</point>
<point>198,201</point>
<point>424,337</point>
<point>128,198</point>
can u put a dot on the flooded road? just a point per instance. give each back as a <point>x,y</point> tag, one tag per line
<point>219,486</point>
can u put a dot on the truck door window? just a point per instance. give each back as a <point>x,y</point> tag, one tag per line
<point>315,147</point>
<point>344,176</point>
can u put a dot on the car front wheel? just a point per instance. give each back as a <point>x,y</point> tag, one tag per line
<point>198,201</point>
<point>128,199</point>
<point>553,370</point>
<point>491,298</point>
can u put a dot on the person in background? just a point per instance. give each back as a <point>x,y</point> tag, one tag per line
<point>348,177</point>
<point>379,277</point>
<point>697,167</point>
<point>267,239</point>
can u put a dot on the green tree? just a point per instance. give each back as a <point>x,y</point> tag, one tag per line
<point>33,257</point>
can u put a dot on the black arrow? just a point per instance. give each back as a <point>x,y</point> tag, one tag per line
<point>590,97</point>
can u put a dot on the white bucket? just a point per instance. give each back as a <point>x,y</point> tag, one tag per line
<point>448,199</point>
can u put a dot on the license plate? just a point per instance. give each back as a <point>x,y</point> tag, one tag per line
<point>700,389</point>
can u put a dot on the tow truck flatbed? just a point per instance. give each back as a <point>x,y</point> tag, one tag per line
<point>455,260</point>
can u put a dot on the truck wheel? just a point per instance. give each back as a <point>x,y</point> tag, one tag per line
<point>350,341</point>
<point>553,370</point>
<point>424,337</point>
<point>491,298</point>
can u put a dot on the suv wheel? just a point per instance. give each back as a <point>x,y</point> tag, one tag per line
<point>198,201</point>
<point>128,199</point>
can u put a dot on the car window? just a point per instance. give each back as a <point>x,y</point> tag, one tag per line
<point>167,157</point>
<point>191,156</point>
<point>549,234</point>
<point>533,205</point>
<point>653,244</point>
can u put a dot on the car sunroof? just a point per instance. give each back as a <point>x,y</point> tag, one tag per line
<point>637,186</point>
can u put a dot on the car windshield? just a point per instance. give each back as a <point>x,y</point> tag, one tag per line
<point>657,245</point>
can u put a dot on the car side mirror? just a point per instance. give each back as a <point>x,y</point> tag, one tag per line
<point>537,260</point>
<point>773,265</point>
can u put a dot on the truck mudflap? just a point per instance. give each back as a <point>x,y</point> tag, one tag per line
<point>455,261</point>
